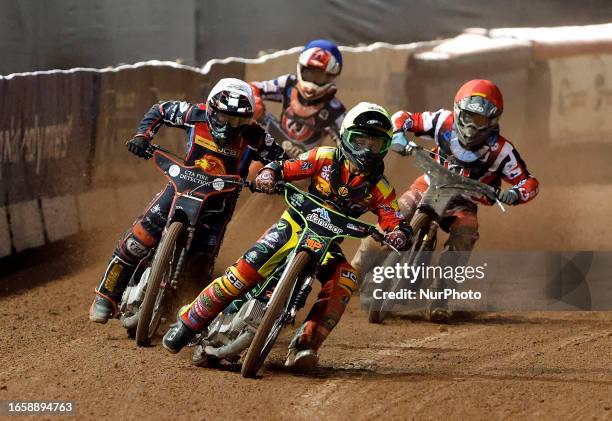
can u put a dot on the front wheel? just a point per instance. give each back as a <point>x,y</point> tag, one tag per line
<point>420,227</point>
<point>270,324</point>
<point>150,311</point>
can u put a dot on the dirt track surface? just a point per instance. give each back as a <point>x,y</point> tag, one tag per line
<point>535,366</point>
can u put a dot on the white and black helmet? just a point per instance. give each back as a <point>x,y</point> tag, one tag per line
<point>229,108</point>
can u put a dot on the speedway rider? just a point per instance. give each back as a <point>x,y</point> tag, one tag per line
<point>310,109</point>
<point>222,139</point>
<point>349,179</point>
<point>468,142</point>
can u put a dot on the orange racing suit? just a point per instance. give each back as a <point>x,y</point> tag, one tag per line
<point>329,175</point>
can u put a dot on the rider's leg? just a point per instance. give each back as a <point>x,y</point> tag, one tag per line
<point>409,201</point>
<point>254,266</point>
<point>133,246</point>
<point>339,281</point>
<point>204,250</point>
<point>370,251</point>
<point>463,234</point>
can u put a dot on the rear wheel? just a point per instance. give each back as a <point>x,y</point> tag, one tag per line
<point>420,225</point>
<point>271,323</point>
<point>161,270</point>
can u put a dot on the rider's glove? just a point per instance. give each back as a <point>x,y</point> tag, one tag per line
<point>139,146</point>
<point>265,181</point>
<point>398,238</point>
<point>399,142</point>
<point>509,197</point>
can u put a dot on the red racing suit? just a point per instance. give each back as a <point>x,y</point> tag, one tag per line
<point>328,175</point>
<point>303,123</point>
<point>498,161</point>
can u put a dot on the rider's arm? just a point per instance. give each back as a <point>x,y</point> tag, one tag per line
<point>265,147</point>
<point>514,171</point>
<point>268,90</point>
<point>425,124</point>
<point>384,205</point>
<point>304,166</point>
<point>169,113</point>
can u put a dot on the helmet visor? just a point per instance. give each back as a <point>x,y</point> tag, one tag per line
<point>366,142</point>
<point>234,121</point>
<point>316,76</point>
<point>478,121</point>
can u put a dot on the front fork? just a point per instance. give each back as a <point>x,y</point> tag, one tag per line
<point>299,298</point>
<point>429,241</point>
<point>301,290</point>
<point>182,259</point>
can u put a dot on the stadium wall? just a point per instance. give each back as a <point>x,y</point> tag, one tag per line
<point>64,168</point>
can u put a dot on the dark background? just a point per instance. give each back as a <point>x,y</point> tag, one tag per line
<point>43,35</point>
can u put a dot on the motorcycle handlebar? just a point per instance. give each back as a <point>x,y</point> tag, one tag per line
<point>154,147</point>
<point>493,197</point>
<point>280,187</point>
<point>380,238</point>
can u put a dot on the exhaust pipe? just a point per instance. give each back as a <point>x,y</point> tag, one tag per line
<point>235,347</point>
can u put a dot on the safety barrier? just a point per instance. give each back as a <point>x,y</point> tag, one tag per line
<point>64,168</point>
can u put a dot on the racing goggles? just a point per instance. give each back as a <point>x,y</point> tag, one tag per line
<point>317,76</point>
<point>234,121</point>
<point>478,121</point>
<point>367,142</point>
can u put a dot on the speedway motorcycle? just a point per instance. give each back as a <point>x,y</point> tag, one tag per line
<point>158,274</point>
<point>443,186</point>
<point>256,321</point>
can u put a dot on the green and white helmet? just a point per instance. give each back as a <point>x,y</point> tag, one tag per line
<point>366,135</point>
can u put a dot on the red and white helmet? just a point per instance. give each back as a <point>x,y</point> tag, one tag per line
<point>318,65</point>
<point>478,107</point>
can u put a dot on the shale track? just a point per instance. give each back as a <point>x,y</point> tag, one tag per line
<point>528,365</point>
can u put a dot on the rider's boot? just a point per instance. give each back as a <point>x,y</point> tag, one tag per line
<point>301,357</point>
<point>302,360</point>
<point>324,315</point>
<point>177,337</point>
<point>194,317</point>
<point>463,236</point>
<point>438,312</point>
<point>109,291</point>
